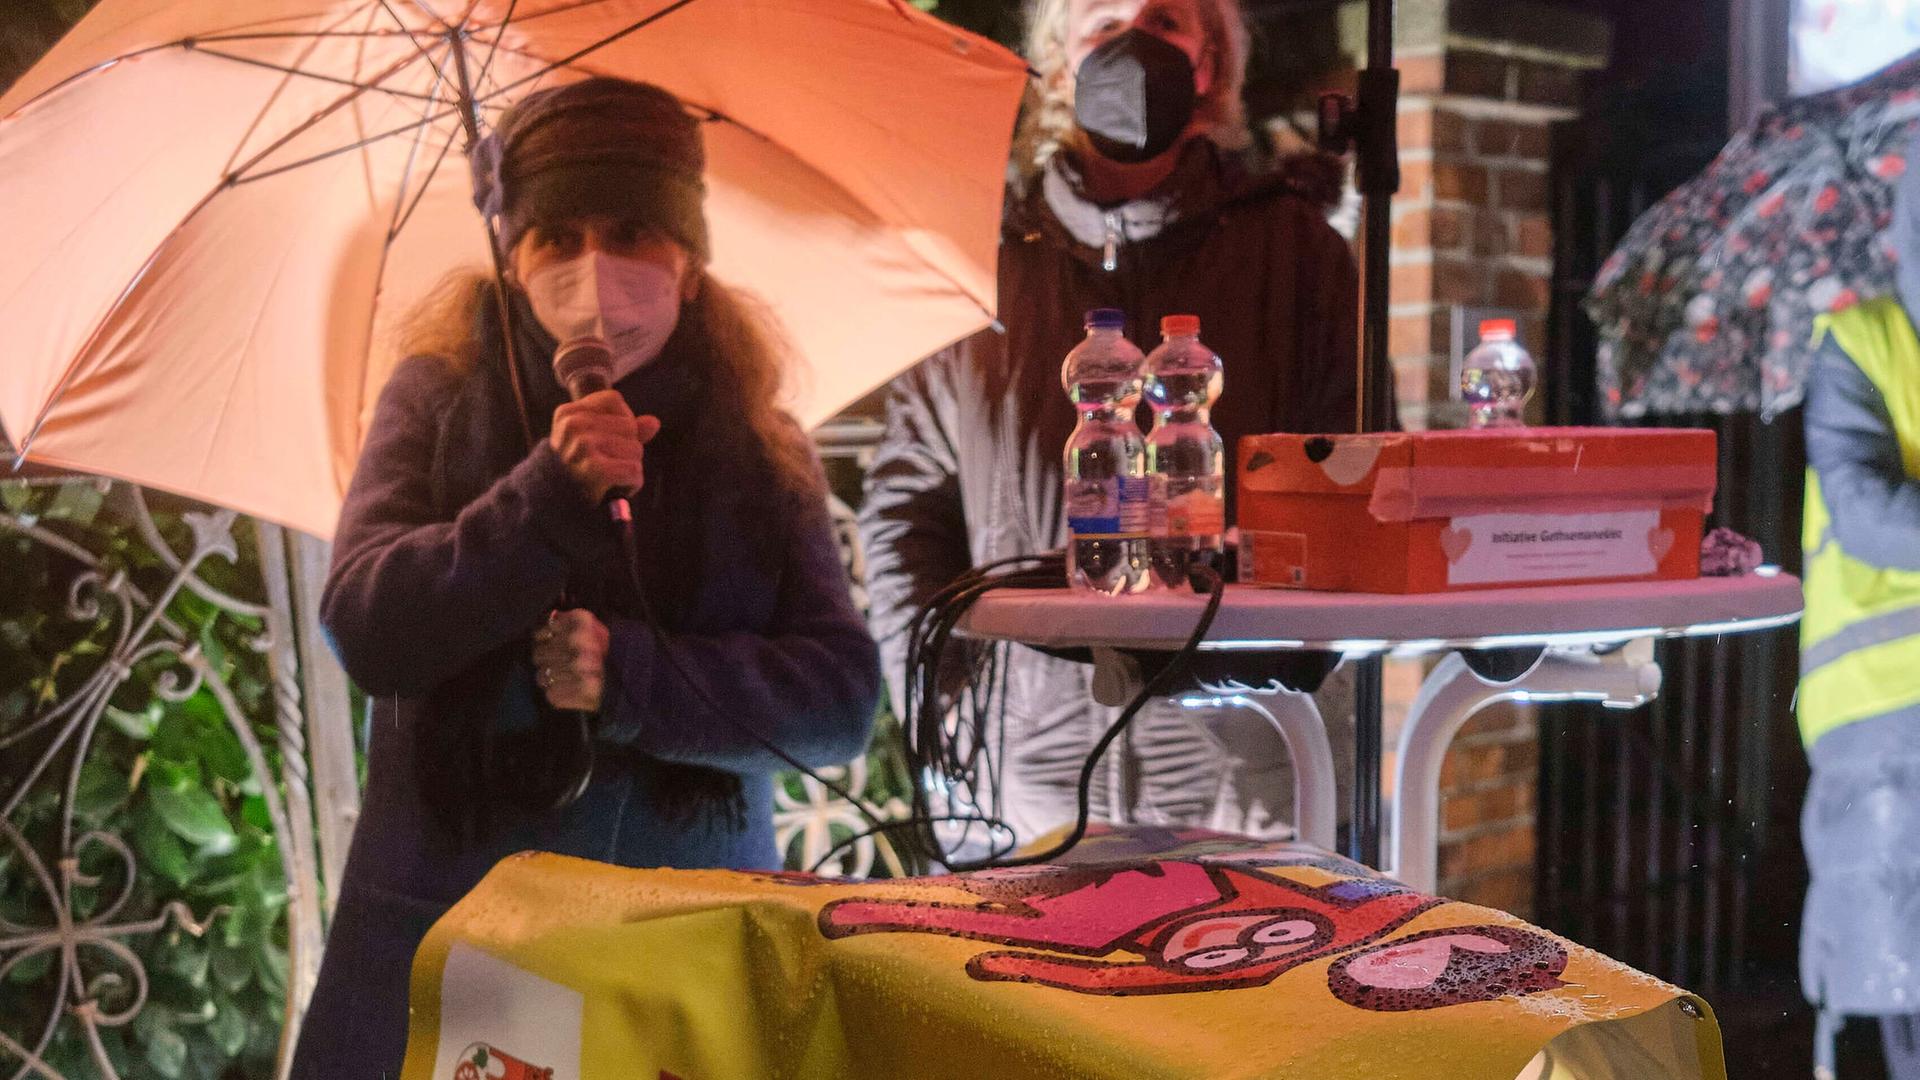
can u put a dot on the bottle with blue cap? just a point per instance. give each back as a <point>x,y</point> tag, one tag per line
<point>1106,461</point>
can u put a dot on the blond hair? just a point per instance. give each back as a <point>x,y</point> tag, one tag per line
<point>1046,121</point>
<point>750,358</point>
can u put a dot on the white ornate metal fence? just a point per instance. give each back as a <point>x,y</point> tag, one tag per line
<point>83,920</point>
<point>145,620</point>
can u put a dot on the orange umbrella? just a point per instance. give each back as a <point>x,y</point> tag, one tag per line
<point>216,211</point>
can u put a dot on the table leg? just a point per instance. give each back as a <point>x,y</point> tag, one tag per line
<point>1451,696</point>
<point>1315,800</point>
<point>1363,832</point>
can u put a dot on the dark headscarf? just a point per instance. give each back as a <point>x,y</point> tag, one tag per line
<point>603,146</point>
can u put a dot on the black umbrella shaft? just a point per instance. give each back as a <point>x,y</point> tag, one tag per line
<point>469,104</point>
<point>470,120</point>
<point>1378,148</point>
<point>1377,136</point>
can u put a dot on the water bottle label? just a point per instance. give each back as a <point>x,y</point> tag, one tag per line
<point>1136,505</point>
<point>1197,513</point>
<point>1114,507</point>
<point>1093,507</point>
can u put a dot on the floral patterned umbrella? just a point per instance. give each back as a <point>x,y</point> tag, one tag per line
<point>1708,304</point>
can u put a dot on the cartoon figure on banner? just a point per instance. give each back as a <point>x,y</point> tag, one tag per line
<point>1453,966</point>
<point>1195,927</point>
<point>483,1062</point>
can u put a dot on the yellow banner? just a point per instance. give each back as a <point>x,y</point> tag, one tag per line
<point>1147,954</point>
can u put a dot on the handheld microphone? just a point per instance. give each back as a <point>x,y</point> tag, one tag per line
<point>584,366</point>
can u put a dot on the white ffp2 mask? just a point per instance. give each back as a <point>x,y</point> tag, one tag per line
<point>631,304</point>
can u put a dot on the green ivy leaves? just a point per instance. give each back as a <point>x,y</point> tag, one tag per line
<point>170,779</point>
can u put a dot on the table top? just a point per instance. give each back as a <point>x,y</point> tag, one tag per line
<point>1370,624</point>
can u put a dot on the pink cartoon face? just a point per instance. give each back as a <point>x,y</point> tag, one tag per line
<point>1235,942</point>
<point>1172,926</point>
<point>1156,927</point>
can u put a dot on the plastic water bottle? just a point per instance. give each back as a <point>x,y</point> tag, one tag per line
<point>1497,378</point>
<point>1106,460</point>
<point>1186,470</point>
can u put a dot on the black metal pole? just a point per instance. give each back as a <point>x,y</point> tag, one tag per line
<point>1377,137</point>
<point>1379,178</point>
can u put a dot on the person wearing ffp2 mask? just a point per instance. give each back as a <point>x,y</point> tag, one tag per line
<point>458,541</point>
<point>1133,188</point>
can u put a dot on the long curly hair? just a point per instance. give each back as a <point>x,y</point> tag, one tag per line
<point>1046,121</point>
<point>753,359</point>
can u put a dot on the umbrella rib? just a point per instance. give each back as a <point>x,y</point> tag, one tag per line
<point>89,70</point>
<point>301,72</point>
<point>414,36</point>
<point>185,42</point>
<point>493,49</point>
<point>706,111</point>
<point>73,365</point>
<point>239,175</point>
<point>427,7</point>
<point>560,9</point>
<point>403,211</point>
<point>357,144</point>
<point>406,176</point>
<point>420,195</point>
<point>565,61</point>
<point>283,34</point>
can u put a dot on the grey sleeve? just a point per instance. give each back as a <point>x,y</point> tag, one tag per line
<point>913,525</point>
<point>1874,503</point>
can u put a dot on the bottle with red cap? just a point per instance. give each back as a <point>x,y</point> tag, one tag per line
<point>1186,473</point>
<point>1497,378</point>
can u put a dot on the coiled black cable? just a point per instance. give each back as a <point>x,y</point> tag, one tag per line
<point>958,756</point>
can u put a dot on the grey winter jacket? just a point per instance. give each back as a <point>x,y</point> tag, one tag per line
<point>1860,937</point>
<point>970,467</point>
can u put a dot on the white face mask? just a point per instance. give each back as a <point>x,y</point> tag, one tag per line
<point>631,304</point>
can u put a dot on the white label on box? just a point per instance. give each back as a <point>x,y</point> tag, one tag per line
<point>1491,549</point>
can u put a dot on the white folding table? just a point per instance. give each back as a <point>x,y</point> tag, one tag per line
<point>1549,643</point>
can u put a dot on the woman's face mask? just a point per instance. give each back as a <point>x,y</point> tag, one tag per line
<point>631,304</point>
<point>1134,96</point>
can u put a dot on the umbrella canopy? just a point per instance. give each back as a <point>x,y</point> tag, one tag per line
<point>217,211</point>
<point>1708,304</point>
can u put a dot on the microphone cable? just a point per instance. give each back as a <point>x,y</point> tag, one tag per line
<point>630,551</point>
<point>929,749</point>
<point>934,751</point>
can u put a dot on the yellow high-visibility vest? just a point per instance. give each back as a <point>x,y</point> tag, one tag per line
<point>1860,636</point>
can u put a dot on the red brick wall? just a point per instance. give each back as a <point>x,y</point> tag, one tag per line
<point>1471,226</point>
<point>1471,223</point>
<point>1487,811</point>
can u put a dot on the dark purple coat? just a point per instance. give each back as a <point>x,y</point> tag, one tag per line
<point>452,548</point>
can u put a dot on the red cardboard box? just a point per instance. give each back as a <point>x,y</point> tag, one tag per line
<point>1448,510</point>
